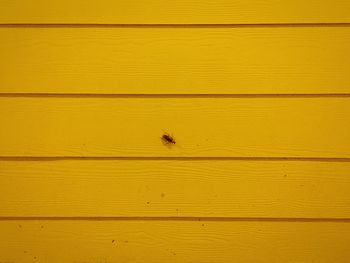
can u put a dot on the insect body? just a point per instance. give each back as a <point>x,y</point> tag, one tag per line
<point>167,138</point>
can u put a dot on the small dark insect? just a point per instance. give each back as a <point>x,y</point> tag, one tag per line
<point>167,138</point>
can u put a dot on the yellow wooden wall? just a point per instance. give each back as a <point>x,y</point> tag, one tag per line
<point>256,93</point>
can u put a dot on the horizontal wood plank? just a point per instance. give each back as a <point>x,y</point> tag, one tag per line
<point>174,12</point>
<point>272,60</point>
<point>174,241</point>
<point>146,188</point>
<point>203,127</point>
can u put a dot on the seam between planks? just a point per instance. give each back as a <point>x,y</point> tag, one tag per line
<point>172,218</point>
<point>63,158</point>
<point>192,96</point>
<point>77,25</point>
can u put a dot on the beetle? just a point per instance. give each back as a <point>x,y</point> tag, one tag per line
<point>167,138</point>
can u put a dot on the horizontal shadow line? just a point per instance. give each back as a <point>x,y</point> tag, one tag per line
<point>81,95</point>
<point>213,219</point>
<point>193,25</point>
<point>63,158</point>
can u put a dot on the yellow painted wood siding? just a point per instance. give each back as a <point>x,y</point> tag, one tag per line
<point>174,241</point>
<point>203,127</point>
<point>175,188</point>
<point>256,94</point>
<point>128,60</point>
<point>174,12</point>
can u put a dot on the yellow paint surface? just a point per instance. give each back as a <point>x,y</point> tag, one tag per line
<point>260,113</point>
<point>175,188</point>
<point>174,241</point>
<point>258,60</point>
<point>203,127</point>
<point>174,12</point>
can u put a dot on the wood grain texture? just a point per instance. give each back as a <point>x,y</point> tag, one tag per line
<point>117,188</point>
<point>203,127</point>
<point>174,12</point>
<point>272,60</point>
<point>173,241</point>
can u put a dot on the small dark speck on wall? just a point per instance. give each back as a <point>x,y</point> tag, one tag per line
<point>148,203</point>
<point>113,241</point>
<point>168,139</point>
<point>20,226</point>
<point>162,195</point>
